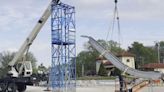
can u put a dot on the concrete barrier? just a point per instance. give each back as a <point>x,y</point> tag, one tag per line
<point>92,83</point>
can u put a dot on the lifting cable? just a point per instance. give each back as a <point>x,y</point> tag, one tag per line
<point>115,19</point>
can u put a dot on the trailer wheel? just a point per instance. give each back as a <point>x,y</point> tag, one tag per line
<point>3,87</point>
<point>21,87</point>
<point>12,87</point>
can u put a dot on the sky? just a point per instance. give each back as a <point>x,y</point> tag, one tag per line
<point>140,20</point>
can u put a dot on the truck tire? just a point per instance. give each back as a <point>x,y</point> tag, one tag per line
<point>12,87</point>
<point>3,87</point>
<point>21,87</point>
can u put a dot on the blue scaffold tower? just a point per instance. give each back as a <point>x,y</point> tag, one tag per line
<point>63,71</point>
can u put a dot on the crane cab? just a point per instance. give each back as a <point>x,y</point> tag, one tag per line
<point>24,68</point>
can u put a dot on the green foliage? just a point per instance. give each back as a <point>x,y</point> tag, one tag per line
<point>88,57</point>
<point>102,71</point>
<point>108,45</point>
<point>114,47</point>
<point>116,72</point>
<point>6,57</point>
<point>143,55</point>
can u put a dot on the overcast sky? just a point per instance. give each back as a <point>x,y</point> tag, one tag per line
<point>140,20</point>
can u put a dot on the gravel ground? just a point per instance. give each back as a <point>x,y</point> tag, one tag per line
<point>98,89</point>
<point>35,89</point>
<point>79,89</point>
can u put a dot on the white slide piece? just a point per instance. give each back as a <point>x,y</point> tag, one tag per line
<point>117,63</point>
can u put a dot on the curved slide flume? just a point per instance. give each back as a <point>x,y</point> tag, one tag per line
<point>117,63</point>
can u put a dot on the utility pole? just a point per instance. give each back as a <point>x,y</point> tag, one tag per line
<point>158,50</point>
<point>82,70</point>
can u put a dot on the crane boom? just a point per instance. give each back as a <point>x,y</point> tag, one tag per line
<point>19,74</point>
<point>29,40</point>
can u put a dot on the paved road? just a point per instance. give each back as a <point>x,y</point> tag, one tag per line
<point>79,89</point>
<point>35,89</point>
<point>98,89</point>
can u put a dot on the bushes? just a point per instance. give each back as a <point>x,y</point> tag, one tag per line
<point>102,71</point>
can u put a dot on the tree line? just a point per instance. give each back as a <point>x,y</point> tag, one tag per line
<point>86,59</point>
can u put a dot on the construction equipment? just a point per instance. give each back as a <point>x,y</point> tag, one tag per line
<point>20,73</point>
<point>117,63</point>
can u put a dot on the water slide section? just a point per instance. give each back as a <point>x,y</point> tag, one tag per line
<point>117,63</point>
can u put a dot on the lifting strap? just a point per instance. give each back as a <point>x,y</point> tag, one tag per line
<point>115,19</point>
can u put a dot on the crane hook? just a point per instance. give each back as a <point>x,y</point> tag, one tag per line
<point>115,1</point>
<point>56,1</point>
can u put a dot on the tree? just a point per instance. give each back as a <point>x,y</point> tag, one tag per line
<point>116,72</point>
<point>6,57</point>
<point>143,55</point>
<point>87,58</point>
<point>114,47</point>
<point>108,45</point>
<point>89,55</point>
<point>102,71</point>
